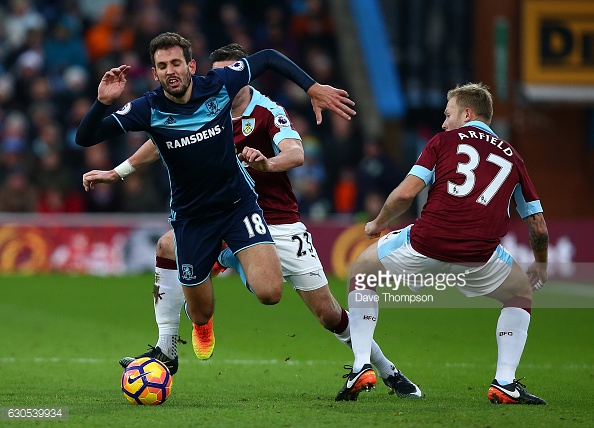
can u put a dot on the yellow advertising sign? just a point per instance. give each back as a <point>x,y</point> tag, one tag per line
<point>558,42</point>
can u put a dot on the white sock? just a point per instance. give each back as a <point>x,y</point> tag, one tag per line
<point>169,298</point>
<point>363,312</point>
<point>382,365</point>
<point>512,331</point>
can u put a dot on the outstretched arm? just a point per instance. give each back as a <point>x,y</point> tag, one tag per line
<point>539,242</point>
<point>323,97</point>
<point>397,203</point>
<point>144,156</point>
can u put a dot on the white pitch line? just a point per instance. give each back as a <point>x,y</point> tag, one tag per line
<point>239,362</point>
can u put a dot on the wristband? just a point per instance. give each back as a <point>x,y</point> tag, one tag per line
<point>124,169</point>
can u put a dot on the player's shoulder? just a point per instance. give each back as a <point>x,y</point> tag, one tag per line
<point>136,106</point>
<point>261,100</point>
<point>271,110</point>
<point>234,70</point>
<point>440,139</point>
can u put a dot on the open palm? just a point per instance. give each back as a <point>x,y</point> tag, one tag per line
<point>112,84</point>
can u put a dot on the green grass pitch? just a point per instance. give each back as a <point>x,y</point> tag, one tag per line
<point>62,336</point>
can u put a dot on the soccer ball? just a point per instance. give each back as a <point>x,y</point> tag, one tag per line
<point>146,381</point>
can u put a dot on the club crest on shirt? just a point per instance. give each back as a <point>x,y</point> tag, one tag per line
<point>125,109</point>
<point>281,121</point>
<point>237,66</point>
<point>247,126</point>
<point>212,106</point>
<point>188,272</point>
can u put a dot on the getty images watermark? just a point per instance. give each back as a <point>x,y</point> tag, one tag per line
<point>569,285</point>
<point>397,289</point>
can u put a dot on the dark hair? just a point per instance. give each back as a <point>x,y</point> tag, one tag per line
<point>231,52</point>
<point>475,96</point>
<point>167,41</point>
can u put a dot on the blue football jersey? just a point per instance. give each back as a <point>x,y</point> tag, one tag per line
<point>195,141</point>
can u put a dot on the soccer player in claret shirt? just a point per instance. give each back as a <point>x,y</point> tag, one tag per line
<point>212,198</point>
<point>269,146</point>
<point>473,176</point>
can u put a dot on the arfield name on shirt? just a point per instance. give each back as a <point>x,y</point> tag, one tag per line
<point>489,138</point>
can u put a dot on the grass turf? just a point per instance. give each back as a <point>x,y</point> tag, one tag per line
<point>275,366</point>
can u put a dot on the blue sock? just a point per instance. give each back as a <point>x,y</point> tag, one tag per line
<point>228,259</point>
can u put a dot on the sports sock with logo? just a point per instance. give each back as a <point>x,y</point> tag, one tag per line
<point>363,312</point>
<point>168,299</point>
<point>382,365</point>
<point>512,332</point>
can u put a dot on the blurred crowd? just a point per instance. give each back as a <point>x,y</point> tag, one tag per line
<point>53,54</point>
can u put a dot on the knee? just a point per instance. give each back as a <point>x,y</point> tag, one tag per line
<point>358,267</point>
<point>521,302</point>
<point>270,296</point>
<point>165,247</point>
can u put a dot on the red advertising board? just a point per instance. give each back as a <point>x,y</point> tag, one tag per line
<point>112,245</point>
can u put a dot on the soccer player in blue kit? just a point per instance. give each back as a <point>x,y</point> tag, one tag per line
<point>212,197</point>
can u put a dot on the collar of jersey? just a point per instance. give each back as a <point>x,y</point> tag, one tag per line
<point>256,95</point>
<point>481,125</point>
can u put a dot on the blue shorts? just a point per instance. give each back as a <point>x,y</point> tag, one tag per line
<point>198,242</point>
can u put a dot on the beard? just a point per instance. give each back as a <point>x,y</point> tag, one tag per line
<point>181,90</point>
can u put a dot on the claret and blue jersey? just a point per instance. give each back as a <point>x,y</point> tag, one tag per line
<point>473,176</point>
<point>195,141</point>
<point>262,126</point>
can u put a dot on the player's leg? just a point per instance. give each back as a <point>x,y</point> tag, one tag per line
<point>363,314</point>
<point>249,239</point>
<point>511,333</point>
<point>502,279</point>
<point>333,317</point>
<point>228,260</point>
<point>303,270</point>
<point>512,327</point>
<point>197,245</point>
<point>168,298</point>
<point>199,301</point>
<point>203,337</point>
<point>391,253</point>
<point>393,378</point>
<point>323,306</point>
<point>263,272</point>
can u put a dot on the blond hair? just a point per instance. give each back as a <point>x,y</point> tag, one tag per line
<point>475,96</point>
